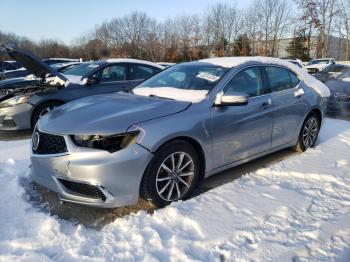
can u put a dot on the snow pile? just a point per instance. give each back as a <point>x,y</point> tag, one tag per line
<point>309,80</point>
<point>172,93</point>
<point>295,210</point>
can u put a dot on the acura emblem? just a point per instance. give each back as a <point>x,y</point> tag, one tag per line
<point>35,141</point>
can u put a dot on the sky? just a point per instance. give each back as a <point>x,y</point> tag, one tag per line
<point>66,20</point>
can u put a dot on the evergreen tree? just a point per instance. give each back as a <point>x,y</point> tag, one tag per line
<point>241,46</point>
<point>297,48</point>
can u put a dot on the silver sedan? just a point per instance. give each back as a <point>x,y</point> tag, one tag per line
<point>182,125</point>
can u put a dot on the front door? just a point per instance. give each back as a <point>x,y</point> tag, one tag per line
<point>243,131</point>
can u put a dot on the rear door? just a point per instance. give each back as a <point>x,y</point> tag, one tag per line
<point>243,131</point>
<point>289,104</point>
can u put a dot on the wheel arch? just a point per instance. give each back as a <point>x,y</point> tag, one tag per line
<point>42,103</point>
<point>318,112</point>
<point>195,144</point>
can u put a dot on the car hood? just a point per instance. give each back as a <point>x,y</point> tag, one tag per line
<point>338,87</point>
<point>107,114</point>
<point>33,64</point>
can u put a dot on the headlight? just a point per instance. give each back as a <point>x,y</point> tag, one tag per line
<point>107,143</point>
<point>15,101</point>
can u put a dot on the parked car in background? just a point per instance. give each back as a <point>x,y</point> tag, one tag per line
<point>331,72</point>
<point>52,61</point>
<point>21,107</point>
<point>339,101</point>
<point>8,65</point>
<point>317,65</point>
<point>297,62</point>
<point>166,64</point>
<point>22,72</point>
<point>188,122</point>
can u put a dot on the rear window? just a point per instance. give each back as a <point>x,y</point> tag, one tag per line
<point>281,78</point>
<point>141,71</point>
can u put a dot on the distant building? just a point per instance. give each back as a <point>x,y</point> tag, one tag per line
<point>336,48</point>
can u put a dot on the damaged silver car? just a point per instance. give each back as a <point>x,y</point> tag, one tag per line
<point>184,124</point>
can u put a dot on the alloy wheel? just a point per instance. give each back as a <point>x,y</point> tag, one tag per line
<point>310,132</point>
<point>175,176</point>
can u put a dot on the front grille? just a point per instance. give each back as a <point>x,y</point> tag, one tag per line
<point>84,189</point>
<point>47,144</point>
<point>312,70</point>
<point>8,123</point>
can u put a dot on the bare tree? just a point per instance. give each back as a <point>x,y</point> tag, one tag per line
<point>224,23</point>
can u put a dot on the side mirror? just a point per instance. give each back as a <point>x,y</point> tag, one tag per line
<point>234,99</point>
<point>91,80</point>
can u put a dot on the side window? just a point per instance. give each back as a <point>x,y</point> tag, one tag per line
<point>112,73</point>
<point>247,81</point>
<point>279,78</point>
<point>295,80</point>
<point>141,72</point>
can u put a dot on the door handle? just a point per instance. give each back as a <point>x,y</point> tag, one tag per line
<point>299,93</point>
<point>266,104</point>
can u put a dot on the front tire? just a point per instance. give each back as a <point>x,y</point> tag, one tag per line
<point>308,133</point>
<point>42,110</point>
<point>171,175</point>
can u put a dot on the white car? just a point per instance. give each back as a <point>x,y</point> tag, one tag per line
<point>317,65</point>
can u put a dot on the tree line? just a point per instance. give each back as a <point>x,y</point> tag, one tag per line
<point>223,29</point>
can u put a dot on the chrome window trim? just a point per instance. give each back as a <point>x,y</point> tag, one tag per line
<point>258,65</point>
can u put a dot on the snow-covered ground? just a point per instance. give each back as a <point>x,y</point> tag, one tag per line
<point>295,210</point>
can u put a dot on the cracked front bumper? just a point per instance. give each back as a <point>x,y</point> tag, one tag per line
<point>116,175</point>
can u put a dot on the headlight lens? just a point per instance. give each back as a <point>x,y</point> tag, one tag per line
<point>15,101</point>
<point>108,143</point>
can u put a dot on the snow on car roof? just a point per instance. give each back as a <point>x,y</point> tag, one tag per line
<point>131,60</point>
<point>309,80</point>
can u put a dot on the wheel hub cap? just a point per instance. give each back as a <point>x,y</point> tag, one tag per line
<point>174,177</point>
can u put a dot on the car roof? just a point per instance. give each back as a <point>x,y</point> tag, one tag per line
<point>230,62</point>
<point>132,61</point>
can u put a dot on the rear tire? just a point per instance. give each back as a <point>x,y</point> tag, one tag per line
<point>171,175</point>
<point>309,133</point>
<point>42,110</point>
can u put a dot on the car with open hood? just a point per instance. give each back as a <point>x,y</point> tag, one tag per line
<point>186,123</point>
<point>22,72</point>
<point>22,106</point>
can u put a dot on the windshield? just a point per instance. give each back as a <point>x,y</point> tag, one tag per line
<point>185,82</point>
<point>80,70</point>
<point>319,62</point>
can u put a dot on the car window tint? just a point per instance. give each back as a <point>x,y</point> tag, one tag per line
<point>295,80</point>
<point>247,81</point>
<point>112,73</point>
<point>279,78</point>
<point>141,71</point>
